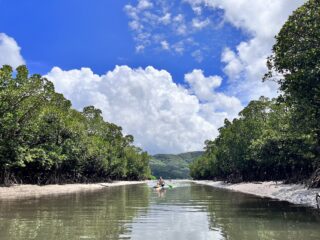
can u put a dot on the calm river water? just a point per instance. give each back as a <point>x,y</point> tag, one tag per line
<point>139,212</point>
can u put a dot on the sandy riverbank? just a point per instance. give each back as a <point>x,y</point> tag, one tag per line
<point>25,191</point>
<point>294,193</point>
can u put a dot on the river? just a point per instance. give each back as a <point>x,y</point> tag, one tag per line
<point>139,212</point>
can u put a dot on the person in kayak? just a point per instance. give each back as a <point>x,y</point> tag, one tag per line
<point>161,182</point>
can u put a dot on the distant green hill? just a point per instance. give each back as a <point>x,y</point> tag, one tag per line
<point>173,166</point>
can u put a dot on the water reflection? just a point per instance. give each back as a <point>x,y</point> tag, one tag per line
<point>241,216</point>
<point>142,213</point>
<point>160,192</point>
<point>172,215</point>
<point>93,215</point>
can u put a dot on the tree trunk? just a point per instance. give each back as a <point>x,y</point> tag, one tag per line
<point>314,181</point>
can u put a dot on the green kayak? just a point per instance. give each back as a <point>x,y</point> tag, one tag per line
<point>164,187</point>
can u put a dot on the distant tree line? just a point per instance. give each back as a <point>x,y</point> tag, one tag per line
<point>276,139</point>
<point>44,140</point>
<point>173,166</point>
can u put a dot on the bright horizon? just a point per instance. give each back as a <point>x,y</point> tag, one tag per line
<point>168,73</point>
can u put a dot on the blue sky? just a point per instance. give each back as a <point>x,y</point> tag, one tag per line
<point>69,34</point>
<point>183,65</point>
<point>77,33</point>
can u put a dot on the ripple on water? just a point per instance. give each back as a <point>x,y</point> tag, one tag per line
<point>140,212</point>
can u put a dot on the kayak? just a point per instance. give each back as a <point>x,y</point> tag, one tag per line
<point>164,187</point>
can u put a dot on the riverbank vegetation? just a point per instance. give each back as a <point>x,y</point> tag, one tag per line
<point>44,140</point>
<point>277,139</point>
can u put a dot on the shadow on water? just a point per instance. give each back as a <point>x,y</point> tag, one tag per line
<point>140,212</point>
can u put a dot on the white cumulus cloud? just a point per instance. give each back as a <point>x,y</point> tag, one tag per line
<point>144,4</point>
<point>165,19</point>
<point>163,116</point>
<point>202,86</point>
<point>244,63</point>
<point>165,45</point>
<point>214,103</point>
<point>262,20</point>
<point>10,52</point>
<point>200,24</point>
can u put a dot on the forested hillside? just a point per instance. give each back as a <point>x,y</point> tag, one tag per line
<point>173,166</point>
<point>276,139</point>
<point>44,140</point>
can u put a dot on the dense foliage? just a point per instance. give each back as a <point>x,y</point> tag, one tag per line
<point>173,166</point>
<point>259,145</point>
<point>276,139</point>
<point>43,140</point>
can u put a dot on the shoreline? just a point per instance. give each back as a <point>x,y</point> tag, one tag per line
<point>293,193</point>
<point>35,191</point>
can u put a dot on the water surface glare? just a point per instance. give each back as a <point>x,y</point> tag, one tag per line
<point>139,212</point>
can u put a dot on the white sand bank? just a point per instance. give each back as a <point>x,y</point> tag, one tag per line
<point>24,191</point>
<point>294,193</point>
